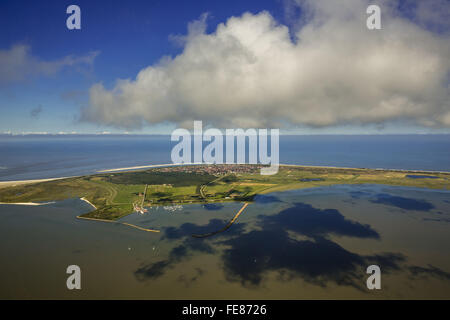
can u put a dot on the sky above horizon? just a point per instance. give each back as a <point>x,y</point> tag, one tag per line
<point>304,66</point>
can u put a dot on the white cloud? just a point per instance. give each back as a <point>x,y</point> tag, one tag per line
<point>17,63</point>
<point>249,73</point>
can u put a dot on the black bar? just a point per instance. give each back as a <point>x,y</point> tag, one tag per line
<point>232,309</point>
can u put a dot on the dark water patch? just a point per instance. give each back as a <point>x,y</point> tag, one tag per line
<point>307,220</point>
<point>198,245</point>
<point>188,229</point>
<point>311,179</point>
<point>184,250</point>
<point>437,220</point>
<point>430,271</point>
<point>213,206</point>
<point>359,194</point>
<point>402,202</point>
<point>317,261</point>
<point>188,280</point>
<point>387,260</point>
<point>153,271</point>
<point>176,255</point>
<point>261,198</point>
<point>414,176</point>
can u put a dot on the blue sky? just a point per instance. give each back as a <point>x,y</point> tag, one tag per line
<point>118,39</point>
<point>129,35</point>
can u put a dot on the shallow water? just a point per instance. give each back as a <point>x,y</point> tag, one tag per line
<point>311,243</point>
<point>413,176</point>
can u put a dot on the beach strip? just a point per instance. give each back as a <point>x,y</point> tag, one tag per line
<point>5,184</point>
<point>150,166</point>
<point>86,200</point>
<point>28,203</point>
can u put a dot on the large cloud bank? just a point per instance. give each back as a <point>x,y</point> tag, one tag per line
<point>251,72</point>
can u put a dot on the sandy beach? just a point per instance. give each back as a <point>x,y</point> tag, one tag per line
<point>5,184</point>
<point>28,203</point>
<point>150,166</point>
<point>86,200</point>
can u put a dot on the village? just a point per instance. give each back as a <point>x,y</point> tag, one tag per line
<point>214,169</point>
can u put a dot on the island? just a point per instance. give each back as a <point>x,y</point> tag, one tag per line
<point>114,194</point>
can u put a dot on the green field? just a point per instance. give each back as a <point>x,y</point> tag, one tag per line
<point>114,194</point>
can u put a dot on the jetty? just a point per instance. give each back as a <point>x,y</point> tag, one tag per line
<point>228,225</point>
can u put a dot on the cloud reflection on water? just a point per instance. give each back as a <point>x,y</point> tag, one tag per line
<point>294,243</point>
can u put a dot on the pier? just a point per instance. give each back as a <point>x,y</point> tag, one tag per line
<point>224,228</point>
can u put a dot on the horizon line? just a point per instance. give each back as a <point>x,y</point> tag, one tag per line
<point>62,134</point>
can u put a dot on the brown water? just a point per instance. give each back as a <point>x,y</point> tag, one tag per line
<point>314,243</point>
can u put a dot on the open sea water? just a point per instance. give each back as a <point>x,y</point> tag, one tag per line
<point>39,157</point>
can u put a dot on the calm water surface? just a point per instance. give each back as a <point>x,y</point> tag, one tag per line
<point>311,243</point>
<point>38,157</point>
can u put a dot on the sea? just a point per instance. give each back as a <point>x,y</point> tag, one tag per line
<point>39,157</point>
<point>314,243</point>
